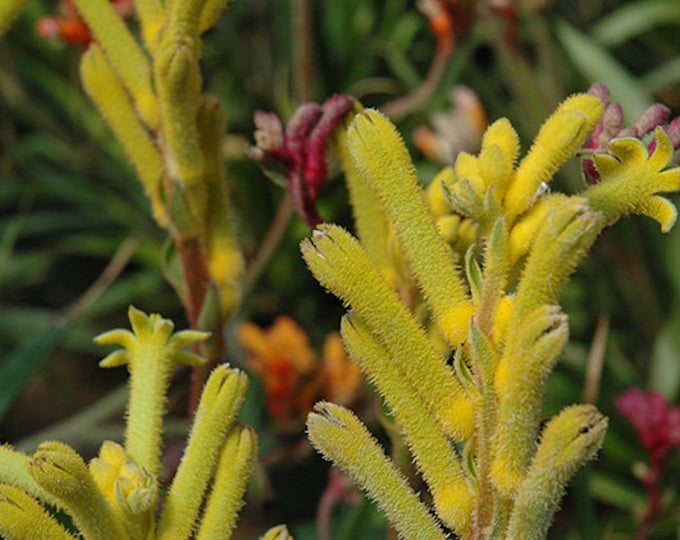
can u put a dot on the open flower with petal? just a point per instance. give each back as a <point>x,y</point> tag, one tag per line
<point>631,180</point>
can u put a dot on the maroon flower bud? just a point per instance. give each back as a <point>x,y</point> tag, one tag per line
<point>296,157</point>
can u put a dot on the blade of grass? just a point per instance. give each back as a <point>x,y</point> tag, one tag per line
<point>631,20</point>
<point>595,63</point>
<point>16,371</point>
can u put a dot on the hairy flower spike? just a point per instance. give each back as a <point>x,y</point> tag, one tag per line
<point>236,462</point>
<point>559,138</point>
<point>380,153</point>
<point>225,260</point>
<point>150,352</point>
<point>568,441</point>
<point>524,242</point>
<point>107,92</point>
<point>519,387</point>
<point>342,438</point>
<point>221,400</point>
<point>126,56</point>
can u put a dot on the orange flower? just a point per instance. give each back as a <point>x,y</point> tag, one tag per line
<point>293,378</point>
<point>68,25</point>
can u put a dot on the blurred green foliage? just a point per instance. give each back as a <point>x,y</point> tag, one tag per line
<point>71,208</point>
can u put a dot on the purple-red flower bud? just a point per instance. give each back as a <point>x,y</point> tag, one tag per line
<point>297,157</point>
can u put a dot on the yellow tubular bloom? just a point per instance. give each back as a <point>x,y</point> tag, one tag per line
<point>23,518</point>
<point>236,462</point>
<point>371,224</point>
<point>564,239</point>
<point>113,102</point>
<point>380,153</point>
<point>338,262</point>
<point>126,56</point>
<point>130,490</point>
<point>569,440</point>
<point>343,439</point>
<point>558,139</point>
<point>519,382</point>
<point>221,400</point>
<point>63,473</point>
<point>432,453</point>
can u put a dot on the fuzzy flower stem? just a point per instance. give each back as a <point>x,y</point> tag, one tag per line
<point>339,263</point>
<point>431,450</point>
<point>107,92</point>
<point>371,223</point>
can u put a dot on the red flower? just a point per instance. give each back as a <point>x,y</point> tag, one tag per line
<point>658,427</point>
<point>657,424</point>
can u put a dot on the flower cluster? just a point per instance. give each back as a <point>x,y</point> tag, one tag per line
<point>117,495</point>
<point>493,306</point>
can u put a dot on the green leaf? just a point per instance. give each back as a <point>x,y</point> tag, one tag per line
<point>631,20</point>
<point>16,371</point>
<point>664,375</point>
<point>614,492</point>
<point>664,76</point>
<point>595,63</point>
